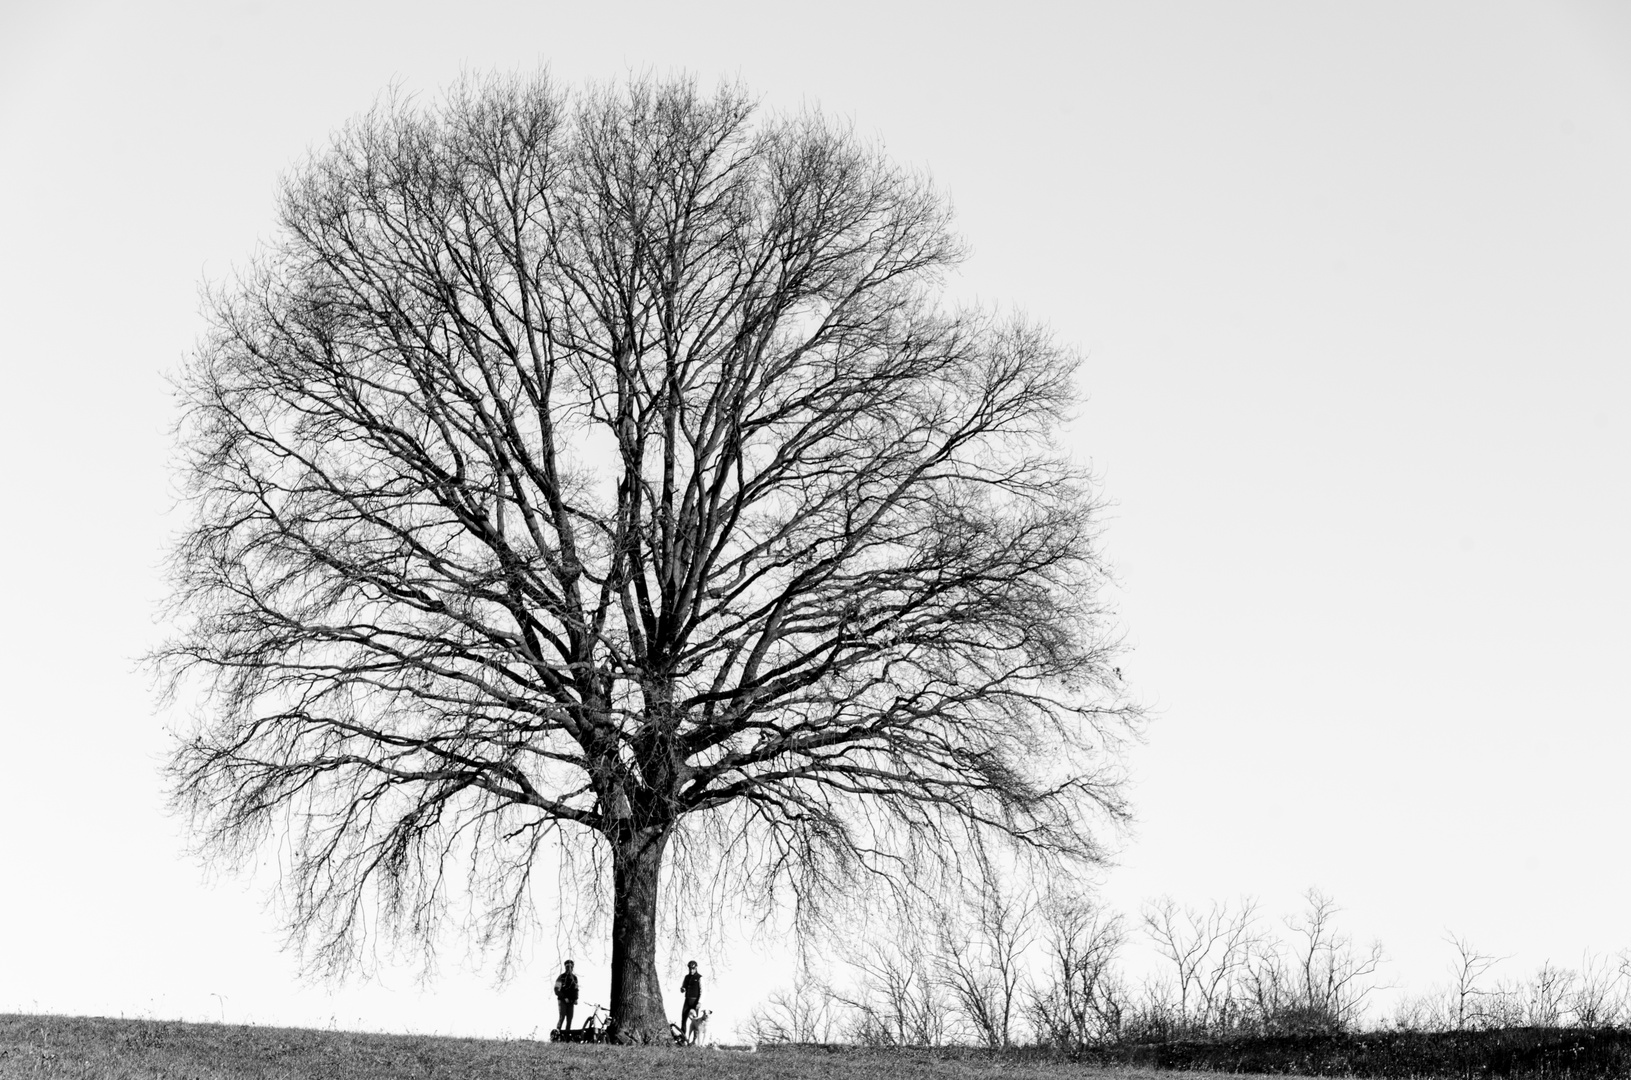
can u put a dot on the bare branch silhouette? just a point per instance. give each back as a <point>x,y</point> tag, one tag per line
<point>592,476</point>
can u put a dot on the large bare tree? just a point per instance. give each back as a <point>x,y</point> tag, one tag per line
<point>605,470</point>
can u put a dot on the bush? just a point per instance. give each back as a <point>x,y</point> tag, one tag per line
<point>1518,1053</point>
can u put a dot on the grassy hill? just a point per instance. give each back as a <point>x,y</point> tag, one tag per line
<point>96,1048</point>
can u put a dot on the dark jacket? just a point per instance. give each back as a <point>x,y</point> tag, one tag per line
<point>566,987</point>
<point>692,987</point>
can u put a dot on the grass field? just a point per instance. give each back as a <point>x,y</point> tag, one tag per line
<point>95,1048</point>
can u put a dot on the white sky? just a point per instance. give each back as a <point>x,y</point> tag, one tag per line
<point>1352,280</point>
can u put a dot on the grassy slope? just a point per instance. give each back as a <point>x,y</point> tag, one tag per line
<point>103,1049</point>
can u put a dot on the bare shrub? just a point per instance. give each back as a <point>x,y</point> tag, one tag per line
<point>1431,1010</point>
<point>896,999</point>
<point>1330,979</point>
<point>1209,953</point>
<point>980,956</point>
<point>1505,1005</point>
<point>1547,994</point>
<point>804,1013</point>
<point>1077,1000</point>
<point>1317,982</point>
<point>1599,998</point>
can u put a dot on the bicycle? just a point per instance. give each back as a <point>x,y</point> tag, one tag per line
<point>594,1029</point>
<point>598,1029</point>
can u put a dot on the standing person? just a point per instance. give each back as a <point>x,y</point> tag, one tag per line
<point>691,989</point>
<point>566,996</point>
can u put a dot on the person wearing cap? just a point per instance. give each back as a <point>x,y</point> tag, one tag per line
<point>691,990</point>
<point>566,996</point>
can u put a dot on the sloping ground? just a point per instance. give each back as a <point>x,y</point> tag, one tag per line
<point>87,1048</point>
<point>92,1048</point>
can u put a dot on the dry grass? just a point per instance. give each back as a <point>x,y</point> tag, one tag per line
<point>92,1048</point>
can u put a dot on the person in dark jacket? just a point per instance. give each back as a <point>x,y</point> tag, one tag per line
<point>691,990</point>
<point>566,996</point>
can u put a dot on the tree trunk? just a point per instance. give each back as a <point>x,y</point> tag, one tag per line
<point>637,996</point>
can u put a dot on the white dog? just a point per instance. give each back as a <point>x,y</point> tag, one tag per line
<point>697,1029</point>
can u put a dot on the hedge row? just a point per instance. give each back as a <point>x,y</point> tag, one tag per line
<point>1506,1052</point>
<point>1518,1053</point>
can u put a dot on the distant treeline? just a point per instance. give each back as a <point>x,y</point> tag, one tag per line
<point>1020,969</point>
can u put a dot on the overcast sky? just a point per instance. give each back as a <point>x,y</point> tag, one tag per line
<point>1352,283</point>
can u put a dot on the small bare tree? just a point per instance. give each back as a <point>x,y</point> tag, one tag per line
<point>1077,999</point>
<point>1210,953</point>
<point>1332,978</point>
<point>1467,993</point>
<point>1504,1005</point>
<point>980,954</point>
<point>1267,986</point>
<point>1599,998</point>
<point>804,1013</point>
<point>1547,996</point>
<point>896,999</point>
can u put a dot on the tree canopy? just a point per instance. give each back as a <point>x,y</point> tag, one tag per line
<point>581,475</point>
